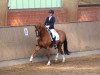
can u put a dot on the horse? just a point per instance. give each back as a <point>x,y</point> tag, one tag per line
<point>44,41</point>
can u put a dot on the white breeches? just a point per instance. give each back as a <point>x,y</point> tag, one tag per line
<point>54,34</point>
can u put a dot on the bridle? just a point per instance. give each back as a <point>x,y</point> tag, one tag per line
<point>37,33</point>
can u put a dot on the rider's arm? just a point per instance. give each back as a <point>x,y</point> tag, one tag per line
<point>52,22</point>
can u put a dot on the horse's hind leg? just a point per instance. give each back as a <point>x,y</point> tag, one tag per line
<point>61,51</point>
<point>56,57</point>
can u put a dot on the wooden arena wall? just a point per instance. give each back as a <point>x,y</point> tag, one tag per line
<point>15,45</point>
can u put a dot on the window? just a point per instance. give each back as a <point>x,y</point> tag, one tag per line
<point>89,10</point>
<point>89,2</point>
<point>25,4</point>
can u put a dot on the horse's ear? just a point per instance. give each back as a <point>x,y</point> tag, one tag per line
<point>35,26</point>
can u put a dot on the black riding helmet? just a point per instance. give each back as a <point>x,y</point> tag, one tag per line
<point>51,11</point>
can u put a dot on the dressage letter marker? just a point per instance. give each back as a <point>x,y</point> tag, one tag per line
<point>26,31</point>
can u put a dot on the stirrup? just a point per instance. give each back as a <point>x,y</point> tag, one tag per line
<point>55,46</point>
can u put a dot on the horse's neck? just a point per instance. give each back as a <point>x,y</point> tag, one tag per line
<point>44,33</point>
<point>44,40</point>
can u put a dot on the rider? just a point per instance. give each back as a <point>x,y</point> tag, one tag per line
<point>49,23</point>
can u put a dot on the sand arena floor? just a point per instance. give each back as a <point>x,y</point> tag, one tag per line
<point>89,65</point>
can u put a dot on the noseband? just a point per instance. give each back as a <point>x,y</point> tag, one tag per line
<point>37,33</point>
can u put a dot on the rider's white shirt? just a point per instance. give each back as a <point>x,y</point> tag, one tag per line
<point>50,17</point>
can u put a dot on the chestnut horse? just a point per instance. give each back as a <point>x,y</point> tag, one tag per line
<point>44,41</point>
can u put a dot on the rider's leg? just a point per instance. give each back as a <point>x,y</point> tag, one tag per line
<point>54,37</point>
<point>53,32</point>
<point>54,42</point>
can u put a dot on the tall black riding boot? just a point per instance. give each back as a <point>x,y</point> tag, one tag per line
<point>54,43</point>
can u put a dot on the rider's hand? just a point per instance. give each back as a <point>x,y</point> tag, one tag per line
<point>47,26</point>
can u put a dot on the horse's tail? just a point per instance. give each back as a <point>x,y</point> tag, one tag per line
<point>66,47</point>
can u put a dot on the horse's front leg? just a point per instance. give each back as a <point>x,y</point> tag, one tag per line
<point>56,58</point>
<point>34,52</point>
<point>48,55</point>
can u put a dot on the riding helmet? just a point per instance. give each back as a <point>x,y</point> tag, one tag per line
<point>51,11</point>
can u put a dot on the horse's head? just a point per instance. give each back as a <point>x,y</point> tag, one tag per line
<point>39,30</point>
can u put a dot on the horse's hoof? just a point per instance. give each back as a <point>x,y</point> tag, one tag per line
<point>63,60</point>
<point>55,60</point>
<point>48,64</point>
<point>30,61</point>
